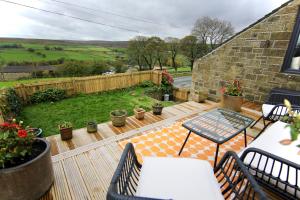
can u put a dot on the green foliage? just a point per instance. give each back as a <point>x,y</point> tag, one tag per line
<point>31,50</point>
<point>146,84</point>
<point>15,144</point>
<point>49,95</point>
<point>119,66</point>
<point>293,120</point>
<point>14,103</point>
<point>65,124</point>
<point>232,88</point>
<point>11,46</point>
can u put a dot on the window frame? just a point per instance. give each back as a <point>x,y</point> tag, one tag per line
<point>291,48</point>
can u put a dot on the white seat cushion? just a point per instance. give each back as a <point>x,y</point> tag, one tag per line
<point>269,141</point>
<point>178,179</point>
<point>267,108</point>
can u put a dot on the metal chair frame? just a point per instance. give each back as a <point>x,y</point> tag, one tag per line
<point>267,179</point>
<point>234,178</point>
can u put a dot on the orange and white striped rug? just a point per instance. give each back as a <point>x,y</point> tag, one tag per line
<point>167,142</point>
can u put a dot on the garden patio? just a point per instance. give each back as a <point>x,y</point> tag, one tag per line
<point>83,166</point>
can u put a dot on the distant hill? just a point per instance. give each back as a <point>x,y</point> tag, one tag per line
<point>102,43</point>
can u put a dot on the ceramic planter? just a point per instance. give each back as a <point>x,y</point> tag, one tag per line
<point>233,102</point>
<point>66,133</point>
<point>30,180</point>
<point>157,109</point>
<point>91,127</point>
<point>118,117</point>
<point>139,113</point>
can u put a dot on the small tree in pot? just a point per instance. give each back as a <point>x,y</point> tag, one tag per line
<point>25,163</point>
<point>66,130</point>
<point>232,95</point>
<point>118,117</point>
<point>157,108</point>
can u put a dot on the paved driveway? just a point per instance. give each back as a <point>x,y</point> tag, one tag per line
<point>183,82</point>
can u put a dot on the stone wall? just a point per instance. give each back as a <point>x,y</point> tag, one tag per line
<point>255,56</point>
<point>13,76</point>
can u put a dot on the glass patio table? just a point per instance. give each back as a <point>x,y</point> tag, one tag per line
<point>218,126</point>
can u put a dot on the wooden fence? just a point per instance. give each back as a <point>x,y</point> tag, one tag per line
<point>92,84</point>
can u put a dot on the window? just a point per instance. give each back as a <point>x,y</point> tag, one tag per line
<point>292,59</point>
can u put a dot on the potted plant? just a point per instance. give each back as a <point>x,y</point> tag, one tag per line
<point>118,117</point>
<point>232,95</point>
<point>139,113</point>
<point>166,85</point>
<point>293,120</point>
<point>91,127</point>
<point>66,130</point>
<point>157,108</point>
<point>25,163</point>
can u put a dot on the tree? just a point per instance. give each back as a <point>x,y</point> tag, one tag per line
<point>149,53</point>
<point>136,50</point>
<point>173,47</point>
<point>192,49</point>
<point>160,50</point>
<point>2,65</point>
<point>212,31</point>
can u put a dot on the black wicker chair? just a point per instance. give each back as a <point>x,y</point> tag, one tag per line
<point>278,110</point>
<point>234,179</point>
<point>276,174</point>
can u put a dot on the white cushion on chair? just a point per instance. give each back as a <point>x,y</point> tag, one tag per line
<point>267,108</point>
<point>178,179</point>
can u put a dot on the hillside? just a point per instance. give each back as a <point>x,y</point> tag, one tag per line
<point>16,51</point>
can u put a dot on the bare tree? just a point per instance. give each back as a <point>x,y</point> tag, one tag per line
<point>212,31</point>
<point>2,65</point>
<point>173,45</point>
<point>136,50</point>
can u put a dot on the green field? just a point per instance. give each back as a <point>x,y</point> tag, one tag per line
<point>70,51</point>
<point>80,109</point>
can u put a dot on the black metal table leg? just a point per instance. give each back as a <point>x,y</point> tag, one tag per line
<point>245,135</point>
<point>216,156</point>
<point>187,137</point>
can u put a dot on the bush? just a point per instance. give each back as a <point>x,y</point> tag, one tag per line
<point>30,49</point>
<point>146,84</point>
<point>49,95</point>
<point>14,103</point>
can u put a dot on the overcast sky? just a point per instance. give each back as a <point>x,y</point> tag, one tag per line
<point>162,18</point>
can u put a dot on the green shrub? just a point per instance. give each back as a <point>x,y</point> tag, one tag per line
<point>14,103</point>
<point>146,84</point>
<point>49,95</point>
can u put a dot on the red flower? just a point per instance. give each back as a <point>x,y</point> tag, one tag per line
<point>223,90</point>
<point>22,133</point>
<point>5,124</point>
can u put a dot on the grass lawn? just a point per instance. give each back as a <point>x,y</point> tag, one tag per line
<point>80,109</point>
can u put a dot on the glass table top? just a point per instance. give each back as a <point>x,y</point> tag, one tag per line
<point>218,125</point>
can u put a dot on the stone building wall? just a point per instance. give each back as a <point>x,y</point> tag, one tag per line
<point>254,56</point>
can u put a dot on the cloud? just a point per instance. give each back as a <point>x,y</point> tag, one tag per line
<point>173,18</point>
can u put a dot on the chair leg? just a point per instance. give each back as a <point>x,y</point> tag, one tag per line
<point>256,121</point>
<point>264,128</point>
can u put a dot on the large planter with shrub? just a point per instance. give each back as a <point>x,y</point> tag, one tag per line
<point>27,175</point>
<point>233,102</point>
<point>118,117</point>
<point>232,96</point>
<point>157,108</point>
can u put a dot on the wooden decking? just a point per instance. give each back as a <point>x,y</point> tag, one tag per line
<point>84,166</point>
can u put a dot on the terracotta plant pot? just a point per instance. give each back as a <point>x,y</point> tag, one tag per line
<point>157,109</point>
<point>91,127</point>
<point>139,113</point>
<point>233,102</point>
<point>30,180</point>
<point>66,133</point>
<point>118,117</point>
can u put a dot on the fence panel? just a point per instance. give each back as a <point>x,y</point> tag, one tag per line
<point>92,84</point>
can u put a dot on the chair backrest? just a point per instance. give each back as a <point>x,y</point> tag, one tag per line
<point>275,173</point>
<point>235,180</point>
<point>277,96</point>
<point>125,179</point>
